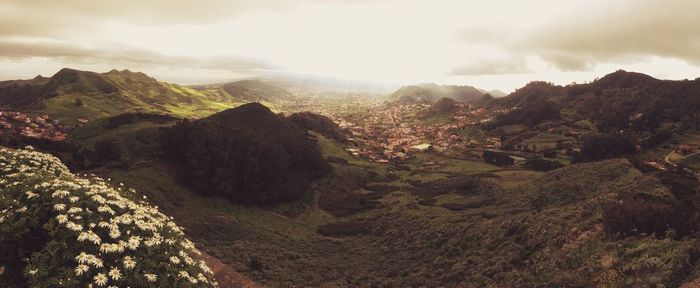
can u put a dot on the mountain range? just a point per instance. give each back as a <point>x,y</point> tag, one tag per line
<point>616,101</point>
<point>70,94</point>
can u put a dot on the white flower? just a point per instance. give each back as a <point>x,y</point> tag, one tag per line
<point>202,278</point>
<point>115,273</point>
<point>100,279</point>
<point>80,269</point>
<point>102,210</point>
<point>90,236</point>
<point>114,233</point>
<point>151,277</point>
<point>134,242</point>
<point>129,262</point>
<point>75,210</point>
<point>111,248</point>
<point>83,258</point>
<point>60,194</point>
<point>97,262</point>
<point>62,218</point>
<point>74,227</point>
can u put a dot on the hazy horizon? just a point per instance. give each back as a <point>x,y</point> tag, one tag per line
<point>496,45</point>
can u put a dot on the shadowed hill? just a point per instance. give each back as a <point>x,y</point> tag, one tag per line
<point>318,123</point>
<point>247,154</point>
<point>617,101</point>
<point>255,90</point>
<point>431,93</point>
<point>444,106</point>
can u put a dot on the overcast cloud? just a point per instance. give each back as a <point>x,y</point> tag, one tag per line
<point>489,44</point>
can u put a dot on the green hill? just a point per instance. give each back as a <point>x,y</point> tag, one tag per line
<point>247,154</point>
<point>255,90</point>
<point>72,94</point>
<point>617,101</point>
<point>319,124</point>
<point>431,93</point>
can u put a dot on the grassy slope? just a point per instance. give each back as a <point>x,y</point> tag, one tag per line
<point>136,92</point>
<point>523,228</point>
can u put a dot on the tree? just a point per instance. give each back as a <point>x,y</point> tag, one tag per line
<point>107,151</point>
<point>497,158</point>
<point>605,146</point>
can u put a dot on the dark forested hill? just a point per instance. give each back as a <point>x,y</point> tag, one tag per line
<point>247,154</point>
<point>318,123</point>
<point>617,101</point>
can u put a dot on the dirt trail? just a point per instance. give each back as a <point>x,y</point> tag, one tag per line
<point>227,276</point>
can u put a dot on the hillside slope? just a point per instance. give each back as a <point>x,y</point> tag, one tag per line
<point>247,154</point>
<point>60,230</point>
<point>70,94</point>
<point>617,101</point>
<point>431,93</point>
<point>255,90</point>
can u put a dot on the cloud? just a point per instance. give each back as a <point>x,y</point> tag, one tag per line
<point>508,65</point>
<point>40,18</point>
<point>619,33</point>
<point>120,55</point>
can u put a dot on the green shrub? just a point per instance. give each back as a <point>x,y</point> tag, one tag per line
<point>59,230</point>
<point>645,213</point>
<point>107,151</point>
<point>497,158</point>
<point>350,228</point>
<point>540,164</point>
<point>599,147</point>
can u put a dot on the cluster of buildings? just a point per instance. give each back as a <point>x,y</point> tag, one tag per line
<point>391,133</point>
<point>40,126</point>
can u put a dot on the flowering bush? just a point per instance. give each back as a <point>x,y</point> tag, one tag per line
<point>59,230</point>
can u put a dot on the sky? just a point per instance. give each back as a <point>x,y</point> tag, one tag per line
<point>494,44</point>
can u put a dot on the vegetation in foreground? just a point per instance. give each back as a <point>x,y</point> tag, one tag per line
<point>60,230</point>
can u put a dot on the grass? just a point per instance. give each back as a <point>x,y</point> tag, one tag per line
<point>691,162</point>
<point>492,237</point>
<point>94,107</point>
<point>92,132</point>
<point>521,228</point>
<point>545,141</point>
<point>419,162</point>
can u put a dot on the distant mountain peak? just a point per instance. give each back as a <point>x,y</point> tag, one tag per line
<point>624,79</point>
<point>66,70</point>
<point>255,90</point>
<point>431,93</point>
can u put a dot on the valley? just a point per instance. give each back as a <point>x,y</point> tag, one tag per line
<point>515,191</point>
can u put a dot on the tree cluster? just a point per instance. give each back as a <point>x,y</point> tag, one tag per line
<point>605,146</point>
<point>247,154</point>
<point>497,158</point>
